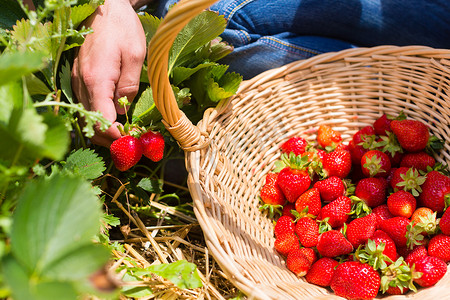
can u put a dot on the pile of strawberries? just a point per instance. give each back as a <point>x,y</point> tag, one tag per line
<point>364,217</point>
<point>127,150</point>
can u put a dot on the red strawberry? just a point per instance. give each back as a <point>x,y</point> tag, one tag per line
<point>444,223</point>
<point>287,210</point>
<point>321,271</point>
<point>293,182</point>
<point>355,280</point>
<point>283,225</point>
<point>126,152</point>
<point>390,250</point>
<point>333,243</point>
<point>337,163</point>
<point>153,145</point>
<point>382,212</point>
<point>310,201</point>
<point>432,269</point>
<point>361,229</point>
<point>309,253</point>
<point>418,160</point>
<point>416,253</point>
<point>361,135</point>
<point>412,135</point>
<point>297,262</point>
<point>407,179</point>
<point>396,229</point>
<point>435,191</point>
<point>382,125</point>
<point>271,193</point>
<point>327,137</point>
<point>439,246</point>
<point>372,191</point>
<point>307,231</point>
<point>401,204</point>
<point>337,211</point>
<point>286,243</point>
<point>294,144</point>
<point>375,164</point>
<point>330,188</point>
<point>356,152</point>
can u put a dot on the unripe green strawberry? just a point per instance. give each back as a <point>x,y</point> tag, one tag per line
<point>126,151</point>
<point>153,145</point>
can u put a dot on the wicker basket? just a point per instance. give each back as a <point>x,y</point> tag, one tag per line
<point>236,144</point>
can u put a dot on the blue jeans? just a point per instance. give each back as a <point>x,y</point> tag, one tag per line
<point>270,33</point>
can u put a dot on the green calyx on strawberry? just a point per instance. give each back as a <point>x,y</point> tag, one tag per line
<point>399,274</point>
<point>372,254</point>
<point>388,144</point>
<point>408,179</point>
<point>359,208</point>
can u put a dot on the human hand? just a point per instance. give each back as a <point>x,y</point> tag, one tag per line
<point>108,64</point>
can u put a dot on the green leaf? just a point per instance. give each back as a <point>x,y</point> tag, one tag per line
<point>150,24</point>
<point>10,13</point>
<point>35,86</point>
<point>11,96</point>
<point>145,109</point>
<point>54,218</point>
<point>182,273</point>
<point>224,88</point>
<point>24,288</point>
<point>85,163</point>
<point>35,37</point>
<point>134,291</point>
<point>65,77</point>
<point>15,65</point>
<point>57,140</point>
<point>199,31</point>
<point>80,12</point>
<point>180,74</point>
<point>151,185</point>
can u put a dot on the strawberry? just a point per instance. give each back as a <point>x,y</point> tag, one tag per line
<point>309,202</point>
<point>396,229</point>
<point>407,179</point>
<point>382,212</point>
<point>327,137</point>
<point>435,191</point>
<point>293,182</point>
<point>271,193</point>
<point>372,191</point>
<point>412,135</point>
<point>382,125</point>
<point>432,269</point>
<point>416,253</point>
<point>321,271</point>
<point>336,211</point>
<point>419,160</point>
<point>355,280</point>
<point>375,164</point>
<point>295,144</point>
<point>333,243</point>
<point>401,204</point>
<point>307,231</point>
<point>420,214</point>
<point>283,225</point>
<point>390,250</point>
<point>153,145</point>
<point>398,278</point>
<point>439,246</point>
<point>330,188</point>
<point>362,135</point>
<point>286,243</point>
<point>287,210</point>
<point>297,262</point>
<point>126,151</point>
<point>356,152</point>
<point>389,145</point>
<point>361,229</point>
<point>309,253</point>
<point>444,223</point>
<point>336,163</point>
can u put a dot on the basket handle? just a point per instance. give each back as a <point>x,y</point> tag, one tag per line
<point>176,122</point>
